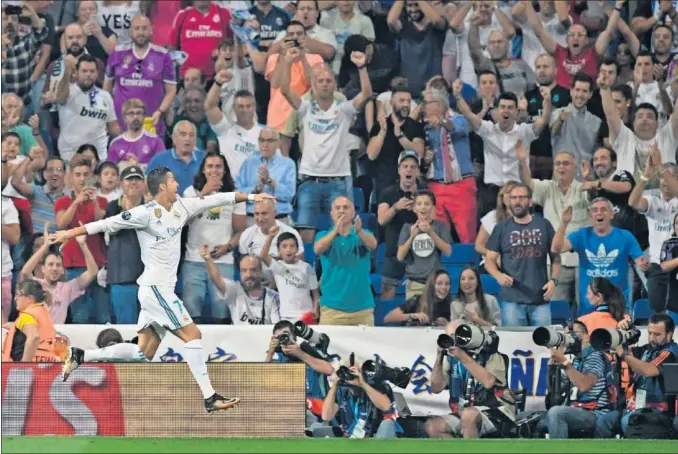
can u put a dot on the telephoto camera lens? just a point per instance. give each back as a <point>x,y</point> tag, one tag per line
<point>399,376</point>
<point>545,336</point>
<point>344,374</point>
<point>320,340</point>
<point>445,341</point>
<point>605,339</point>
<point>472,337</point>
<point>284,339</point>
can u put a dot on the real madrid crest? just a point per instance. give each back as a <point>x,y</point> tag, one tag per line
<point>151,66</point>
<point>126,61</point>
<point>157,212</point>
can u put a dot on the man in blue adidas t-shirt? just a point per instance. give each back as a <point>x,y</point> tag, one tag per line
<point>603,250</point>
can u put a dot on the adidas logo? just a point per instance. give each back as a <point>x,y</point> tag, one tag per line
<point>602,259</point>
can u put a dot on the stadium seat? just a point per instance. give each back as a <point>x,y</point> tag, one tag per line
<point>309,254</point>
<point>490,284</point>
<point>641,312</point>
<point>359,200</point>
<point>370,223</point>
<point>381,255</point>
<point>462,254</point>
<point>382,308</point>
<point>375,280</point>
<point>323,222</point>
<point>560,311</point>
<point>455,274</point>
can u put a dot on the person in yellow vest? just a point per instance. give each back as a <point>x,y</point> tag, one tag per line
<point>32,337</point>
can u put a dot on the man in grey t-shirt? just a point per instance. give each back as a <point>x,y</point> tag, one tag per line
<point>522,243</point>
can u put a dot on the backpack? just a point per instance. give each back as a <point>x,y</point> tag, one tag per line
<point>649,424</point>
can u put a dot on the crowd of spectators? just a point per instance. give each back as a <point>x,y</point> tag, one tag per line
<point>544,132</point>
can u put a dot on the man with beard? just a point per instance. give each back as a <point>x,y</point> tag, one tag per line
<point>577,56</point>
<point>422,34</point>
<point>574,128</point>
<point>250,302</point>
<point>136,145</point>
<point>647,384</point>
<point>392,135</point>
<point>523,243</point>
<point>603,251</point>
<point>144,71</point>
<point>514,74</point>
<point>541,154</point>
<point>556,195</point>
<point>324,171</point>
<point>86,113</point>
<point>395,209</point>
<point>193,110</point>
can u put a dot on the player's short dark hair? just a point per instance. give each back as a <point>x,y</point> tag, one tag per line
<point>648,106</point>
<point>7,135</point>
<point>426,193</point>
<point>287,236</point>
<point>86,58</point>
<point>508,96</point>
<point>583,77</point>
<point>282,324</point>
<point>613,154</point>
<point>155,178</point>
<point>108,337</point>
<point>661,317</point>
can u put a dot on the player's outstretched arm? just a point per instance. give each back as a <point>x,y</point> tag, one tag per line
<point>196,205</point>
<point>136,218</point>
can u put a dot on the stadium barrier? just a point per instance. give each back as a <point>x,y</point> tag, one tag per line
<point>407,347</point>
<point>152,400</point>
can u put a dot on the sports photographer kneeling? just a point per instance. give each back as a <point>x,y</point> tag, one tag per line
<point>469,364</point>
<point>363,408</point>
<point>284,343</point>
<point>590,384</point>
<point>646,389</point>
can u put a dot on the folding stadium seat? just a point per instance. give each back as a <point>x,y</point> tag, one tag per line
<point>381,255</point>
<point>490,284</point>
<point>370,223</point>
<point>455,273</point>
<point>560,311</point>
<point>309,254</point>
<point>462,254</point>
<point>324,222</point>
<point>641,312</point>
<point>359,200</point>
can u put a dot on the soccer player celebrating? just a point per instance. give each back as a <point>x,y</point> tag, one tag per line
<point>158,225</point>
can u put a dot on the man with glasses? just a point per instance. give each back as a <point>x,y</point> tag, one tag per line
<point>523,243</point>
<point>42,198</point>
<point>193,110</point>
<point>136,145</point>
<point>142,70</point>
<point>269,172</point>
<point>556,195</point>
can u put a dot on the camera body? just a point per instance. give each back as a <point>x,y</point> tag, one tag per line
<point>545,336</point>
<point>471,338</point>
<point>318,340</point>
<point>375,372</point>
<point>285,338</point>
<point>606,339</point>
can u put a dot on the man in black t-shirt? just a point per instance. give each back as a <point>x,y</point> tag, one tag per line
<point>395,209</point>
<point>541,155</point>
<point>389,137</point>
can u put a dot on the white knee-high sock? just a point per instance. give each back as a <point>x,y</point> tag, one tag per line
<point>196,363</point>
<point>117,352</point>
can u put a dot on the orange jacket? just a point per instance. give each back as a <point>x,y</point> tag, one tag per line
<point>46,332</point>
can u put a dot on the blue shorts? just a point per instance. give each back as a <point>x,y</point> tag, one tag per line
<point>315,198</point>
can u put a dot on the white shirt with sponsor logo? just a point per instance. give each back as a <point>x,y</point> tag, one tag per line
<point>83,119</point>
<point>9,216</point>
<point>294,282</point>
<point>325,134</point>
<point>212,227</point>
<point>252,241</point>
<point>159,233</point>
<point>247,310</point>
<point>236,143</point>
<point>660,214</point>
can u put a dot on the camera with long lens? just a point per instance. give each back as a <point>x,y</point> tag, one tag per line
<point>474,338</point>
<point>319,340</point>
<point>445,341</point>
<point>344,374</point>
<point>285,338</point>
<point>399,376</point>
<point>606,339</point>
<point>545,336</point>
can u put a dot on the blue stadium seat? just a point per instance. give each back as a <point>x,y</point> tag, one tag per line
<point>359,200</point>
<point>309,254</point>
<point>370,223</point>
<point>560,311</point>
<point>323,222</point>
<point>381,254</point>
<point>463,254</point>
<point>490,284</point>
<point>382,308</point>
<point>375,280</point>
<point>641,312</point>
<point>455,274</point>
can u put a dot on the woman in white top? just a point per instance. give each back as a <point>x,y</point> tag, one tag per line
<point>219,229</point>
<point>472,304</point>
<point>494,217</point>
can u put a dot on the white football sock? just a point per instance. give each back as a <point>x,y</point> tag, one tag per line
<point>196,362</point>
<point>117,352</point>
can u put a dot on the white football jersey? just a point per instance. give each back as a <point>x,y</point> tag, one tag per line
<point>159,233</point>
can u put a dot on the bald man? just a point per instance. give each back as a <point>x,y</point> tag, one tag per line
<point>144,71</point>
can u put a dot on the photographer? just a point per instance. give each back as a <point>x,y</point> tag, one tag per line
<point>589,378</point>
<point>284,343</point>
<point>647,387</point>
<point>475,379</point>
<point>362,409</point>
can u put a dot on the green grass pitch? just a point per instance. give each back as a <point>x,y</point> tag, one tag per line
<point>215,445</point>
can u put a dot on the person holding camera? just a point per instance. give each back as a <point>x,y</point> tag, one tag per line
<point>646,390</point>
<point>590,394</point>
<point>475,378</point>
<point>363,409</point>
<point>283,348</point>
